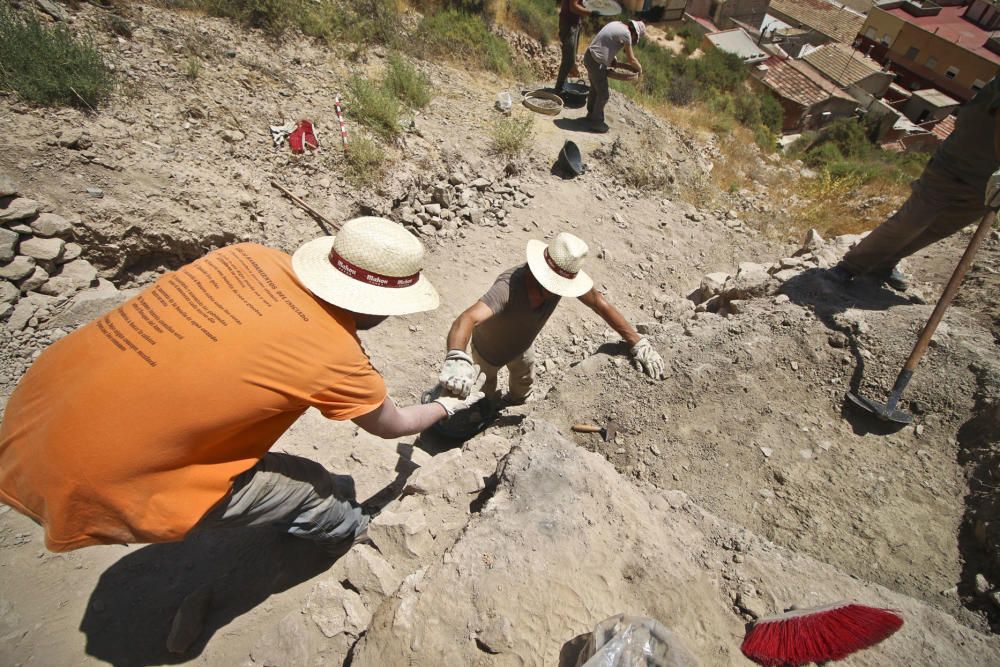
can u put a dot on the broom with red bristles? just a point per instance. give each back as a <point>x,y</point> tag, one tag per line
<point>818,635</point>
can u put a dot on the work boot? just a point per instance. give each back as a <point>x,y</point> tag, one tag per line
<point>512,400</point>
<point>599,128</point>
<point>840,274</point>
<point>895,279</point>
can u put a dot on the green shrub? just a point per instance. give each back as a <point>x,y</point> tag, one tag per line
<point>691,43</point>
<point>681,91</point>
<point>365,161</point>
<point>692,40</point>
<point>375,21</point>
<point>721,103</point>
<point>118,25</point>
<point>747,110</point>
<point>373,106</point>
<point>462,37</point>
<point>407,83</point>
<point>192,67</point>
<point>843,154</point>
<point>50,66</point>
<point>848,134</point>
<point>719,70</point>
<point>823,154</point>
<point>535,18</point>
<point>270,16</point>
<point>510,135</point>
<point>765,138</point>
<point>861,171</point>
<point>772,114</point>
<point>362,21</point>
<point>723,124</point>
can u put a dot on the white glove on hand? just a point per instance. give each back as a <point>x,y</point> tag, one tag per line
<point>452,404</point>
<point>647,360</point>
<point>458,373</point>
<point>993,190</point>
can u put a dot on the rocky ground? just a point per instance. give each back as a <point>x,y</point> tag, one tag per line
<point>735,488</point>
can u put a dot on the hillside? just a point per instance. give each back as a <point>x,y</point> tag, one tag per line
<point>735,488</point>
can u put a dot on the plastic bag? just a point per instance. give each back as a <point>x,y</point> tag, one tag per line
<point>504,101</point>
<point>633,641</point>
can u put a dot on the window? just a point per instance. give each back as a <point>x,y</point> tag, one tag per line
<point>978,85</point>
<point>931,62</point>
<point>911,53</point>
<point>871,34</point>
<point>951,72</point>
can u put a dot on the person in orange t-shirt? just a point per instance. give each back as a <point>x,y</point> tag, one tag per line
<point>156,418</point>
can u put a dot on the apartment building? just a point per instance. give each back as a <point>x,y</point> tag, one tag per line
<point>951,45</point>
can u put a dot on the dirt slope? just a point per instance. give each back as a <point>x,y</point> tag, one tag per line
<point>892,509</point>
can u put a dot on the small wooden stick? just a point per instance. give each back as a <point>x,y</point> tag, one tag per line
<point>304,206</point>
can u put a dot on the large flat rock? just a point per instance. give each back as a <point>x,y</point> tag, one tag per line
<point>566,542</point>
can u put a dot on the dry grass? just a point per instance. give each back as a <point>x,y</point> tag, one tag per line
<point>831,204</point>
<point>510,136</point>
<point>843,205</point>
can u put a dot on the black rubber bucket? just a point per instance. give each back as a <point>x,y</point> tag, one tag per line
<point>570,160</point>
<point>574,95</point>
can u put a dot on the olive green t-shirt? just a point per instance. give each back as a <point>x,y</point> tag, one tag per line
<point>969,153</point>
<point>515,324</point>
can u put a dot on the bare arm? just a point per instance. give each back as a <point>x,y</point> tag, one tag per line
<point>631,59</point>
<point>597,303</point>
<point>578,8</point>
<point>461,329</point>
<point>388,421</point>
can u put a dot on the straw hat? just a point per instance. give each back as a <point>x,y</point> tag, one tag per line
<point>371,267</point>
<point>556,266</point>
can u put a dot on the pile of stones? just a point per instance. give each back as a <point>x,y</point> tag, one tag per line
<point>725,294</point>
<point>443,205</point>
<point>542,58</point>
<point>37,253</point>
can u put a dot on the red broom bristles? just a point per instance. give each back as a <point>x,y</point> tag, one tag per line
<point>818,635</point>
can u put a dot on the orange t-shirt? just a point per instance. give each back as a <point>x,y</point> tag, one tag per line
<point>133,427</point>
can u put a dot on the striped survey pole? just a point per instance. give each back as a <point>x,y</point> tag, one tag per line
<point>340,118</point>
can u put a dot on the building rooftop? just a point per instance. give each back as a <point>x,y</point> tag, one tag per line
<point>936,98</point>
<point>949,24</point>
<point>944,127</point>
<point>737,42</point>
<point>838,23</point>
<point>842,64</point>
<point>799,82</point>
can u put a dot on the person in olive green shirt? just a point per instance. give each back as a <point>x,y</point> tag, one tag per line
<point>956,189</point>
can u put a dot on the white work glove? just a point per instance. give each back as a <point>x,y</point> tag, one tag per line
<point>993,191</point>
<point>647,360</point>
<point>458,373</point>
<point>453,404</point>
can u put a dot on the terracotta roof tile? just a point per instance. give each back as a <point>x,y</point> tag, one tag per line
<point>799,82</point>
<point>838,23</point>
<point>944,127</point>
<point>842,64</point>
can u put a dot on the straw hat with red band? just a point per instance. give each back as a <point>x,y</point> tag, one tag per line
<point>557,266</point>
<point>373,266</point>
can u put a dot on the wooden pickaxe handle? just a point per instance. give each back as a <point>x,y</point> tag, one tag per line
<point>587,428</point>
<point>304,206</point>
